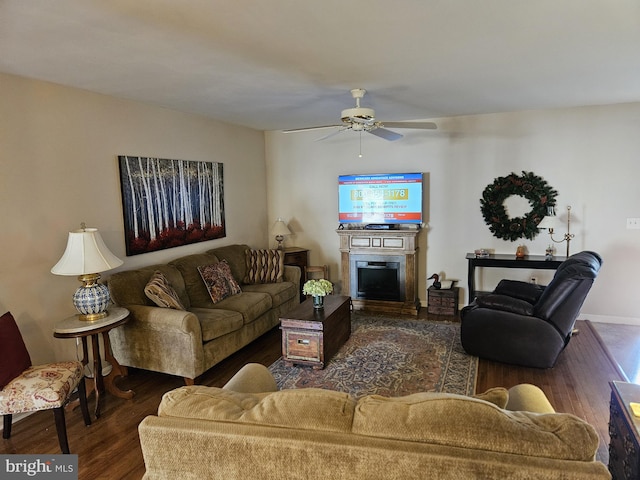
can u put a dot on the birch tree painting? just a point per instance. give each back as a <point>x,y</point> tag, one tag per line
<point>169,203</point>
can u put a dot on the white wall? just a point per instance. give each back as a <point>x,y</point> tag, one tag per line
<point>590,155</point>
<point>58,167</point>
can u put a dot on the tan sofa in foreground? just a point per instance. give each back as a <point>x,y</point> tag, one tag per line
<point>249,430</point>
<point>189,342</point>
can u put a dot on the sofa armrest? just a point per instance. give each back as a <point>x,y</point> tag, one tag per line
<point>292,274</point>
<point>252,378</point>
<point>505,303</point>
<point>529,292</point>
<point>160,339</point>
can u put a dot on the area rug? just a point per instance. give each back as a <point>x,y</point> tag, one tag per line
<point>391,357</point>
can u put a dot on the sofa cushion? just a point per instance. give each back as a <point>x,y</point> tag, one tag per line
<point>250,305</point>
<point>215,322</point>
<point>459,421</point>
<point>235,257</point>
<point>306,408</point>
<point>264,266</point>
<point>279,292</point>
<point>196,289</point>
<point>219,281</point>
<point>499,396</point>
<point>127,288</point>
<point>160,291</point>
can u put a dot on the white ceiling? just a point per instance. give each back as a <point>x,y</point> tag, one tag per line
<point>275,64</point>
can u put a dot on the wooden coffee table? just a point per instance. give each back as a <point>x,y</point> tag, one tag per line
<point>312,336</point>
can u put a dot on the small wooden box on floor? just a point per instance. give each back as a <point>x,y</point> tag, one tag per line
<point>312,336</point>
<point>443,301</point>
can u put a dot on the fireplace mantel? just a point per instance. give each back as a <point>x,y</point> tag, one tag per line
<point>388,243</point>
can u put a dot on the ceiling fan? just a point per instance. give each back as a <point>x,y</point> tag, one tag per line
<point>363,119</point>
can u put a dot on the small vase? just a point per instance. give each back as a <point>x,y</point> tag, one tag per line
<point>318,301</point>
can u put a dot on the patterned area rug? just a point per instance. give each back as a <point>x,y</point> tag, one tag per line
<point>390,357</point>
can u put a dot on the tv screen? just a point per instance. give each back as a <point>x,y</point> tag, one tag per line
<point>380,198</point>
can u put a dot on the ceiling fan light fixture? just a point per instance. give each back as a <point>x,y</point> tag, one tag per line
<point>358,114</point>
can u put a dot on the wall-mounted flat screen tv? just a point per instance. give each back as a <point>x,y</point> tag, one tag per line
<point>377,199</point>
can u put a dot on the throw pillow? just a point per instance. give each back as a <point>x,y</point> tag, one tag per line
<point>264,266</point>
<point>219,280</point>
<point>15,357</point>
<point>160,292</point>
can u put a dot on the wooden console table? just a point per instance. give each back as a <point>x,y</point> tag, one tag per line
<point>535,262</point>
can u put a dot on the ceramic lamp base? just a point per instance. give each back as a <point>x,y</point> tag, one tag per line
<point>92,298</point>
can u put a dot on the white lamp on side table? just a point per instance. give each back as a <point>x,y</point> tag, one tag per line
<point>87,255</point>
<point>280,229</point>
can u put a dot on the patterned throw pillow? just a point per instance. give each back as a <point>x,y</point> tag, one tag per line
<point>160,292</point>
<point>264,266</point>
<point>219,280</point>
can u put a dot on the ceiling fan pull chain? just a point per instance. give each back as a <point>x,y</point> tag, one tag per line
<point>360,154</point>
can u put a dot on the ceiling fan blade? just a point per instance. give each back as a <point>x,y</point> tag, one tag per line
<point>420,125</point>
<point>386,134</point>
<point>332,134</point>
<point>308,129</point>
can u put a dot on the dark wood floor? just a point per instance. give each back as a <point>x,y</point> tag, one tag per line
<point>110,448</point>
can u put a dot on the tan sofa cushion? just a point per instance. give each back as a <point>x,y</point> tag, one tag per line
<point>459,421</point>
<point>215,323</point>
<point>499,396</point>
<point>250,305</point>
<point>160,291</point>
<point>127,288</point>
<point>235,257</point>
<point>307,408</point>
<point>196,289</point>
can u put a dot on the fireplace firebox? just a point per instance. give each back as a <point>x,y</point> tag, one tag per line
<point>378,280</point>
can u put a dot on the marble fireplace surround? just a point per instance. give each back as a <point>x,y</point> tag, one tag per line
<point>391,245</point>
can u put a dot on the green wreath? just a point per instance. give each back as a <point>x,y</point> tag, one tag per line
<point>533,188</point>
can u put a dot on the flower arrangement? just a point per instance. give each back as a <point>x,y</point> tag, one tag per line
<point>320,287</point>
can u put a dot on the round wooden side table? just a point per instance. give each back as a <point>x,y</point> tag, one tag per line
<point>73,327</point>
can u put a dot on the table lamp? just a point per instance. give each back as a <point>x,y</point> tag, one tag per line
<point>551,221</point>
<point>86,256</point>
<point>280,230</point>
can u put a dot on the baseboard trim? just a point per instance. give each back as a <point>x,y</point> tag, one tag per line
<point>609,319</point>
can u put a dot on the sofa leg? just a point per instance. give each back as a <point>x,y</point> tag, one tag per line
<point>189,381</point>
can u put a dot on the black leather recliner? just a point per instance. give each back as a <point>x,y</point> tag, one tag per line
<point>526,324</point>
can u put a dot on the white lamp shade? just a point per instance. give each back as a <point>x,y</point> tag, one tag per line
<point>280,228</point>
<point>86,253</point>
<point>550,222</point>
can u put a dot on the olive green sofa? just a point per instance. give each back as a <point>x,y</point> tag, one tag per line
<point>189,342</point>
<point>249,430</point>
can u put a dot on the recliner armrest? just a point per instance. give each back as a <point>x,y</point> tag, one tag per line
<point>529,292</point>
<point>505,303</point>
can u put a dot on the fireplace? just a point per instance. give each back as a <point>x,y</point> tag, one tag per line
<point>379,269</point>
<point>378,277</point>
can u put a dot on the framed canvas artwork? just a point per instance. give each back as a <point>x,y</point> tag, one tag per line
<point>169,203</point>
